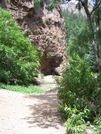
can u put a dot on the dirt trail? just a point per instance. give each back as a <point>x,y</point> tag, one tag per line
<point>29,113</point>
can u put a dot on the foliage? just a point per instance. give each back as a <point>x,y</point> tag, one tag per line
<point>78,37</point>
<point>18,58</point>
<point>97,122</point>
<point>75,123</point>
<point>74,23</point>
<point>76,28</point>
<point>37,4</point>
<point>94,24</point>
<point>51,4</point>
<point>22,89</point>
<point>80,88</point>
<point>78,85</point>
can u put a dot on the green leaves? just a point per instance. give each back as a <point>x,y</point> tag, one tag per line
<point>22,89</point>
<point>79,94</point>
<point>19,59</point>
<point>80,86</point>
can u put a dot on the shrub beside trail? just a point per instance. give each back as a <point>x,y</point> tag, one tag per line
<point>19,60</point>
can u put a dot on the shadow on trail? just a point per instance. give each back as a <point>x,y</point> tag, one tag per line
<point>44,111</point>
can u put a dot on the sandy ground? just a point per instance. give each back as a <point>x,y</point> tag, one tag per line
<point>29,113</point>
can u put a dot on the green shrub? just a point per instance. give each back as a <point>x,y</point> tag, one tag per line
<point>80,89</point>
<point>97,122</point>
<point>80,86</point>
<point>18,58</point>
<point>75,122</point>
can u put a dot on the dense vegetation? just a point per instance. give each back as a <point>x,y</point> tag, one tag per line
<point>19,60</point>
<point>80,88</point>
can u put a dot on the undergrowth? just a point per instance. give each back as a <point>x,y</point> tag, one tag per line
<point>80,96</point>
<point>22,89</point>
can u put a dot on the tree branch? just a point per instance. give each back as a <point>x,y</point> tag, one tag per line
<point>95,7</point>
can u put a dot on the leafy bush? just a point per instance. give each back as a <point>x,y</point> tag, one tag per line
<point>18,58</point>
<point>79,89</point>
<point>75,123</point>
<point>78,85</point>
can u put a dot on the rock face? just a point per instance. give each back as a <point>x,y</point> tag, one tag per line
<point>44,27</point>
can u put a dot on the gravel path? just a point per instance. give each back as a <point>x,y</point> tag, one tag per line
<point>29,113</point>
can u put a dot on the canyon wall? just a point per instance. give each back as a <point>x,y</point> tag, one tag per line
<point>44,27</point>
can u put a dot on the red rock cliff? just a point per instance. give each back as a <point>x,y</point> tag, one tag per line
<point>44,27</point>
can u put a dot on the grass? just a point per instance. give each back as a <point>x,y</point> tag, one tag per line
<point>22,89</point>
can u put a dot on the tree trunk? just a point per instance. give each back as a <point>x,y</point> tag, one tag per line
<point>96,49</point>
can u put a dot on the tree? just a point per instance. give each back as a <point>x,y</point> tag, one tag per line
<point>94,23</point>
<point>18,58</point>
<point>79,90</point>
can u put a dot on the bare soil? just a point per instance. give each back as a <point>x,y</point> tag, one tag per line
<point>29,113</point>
